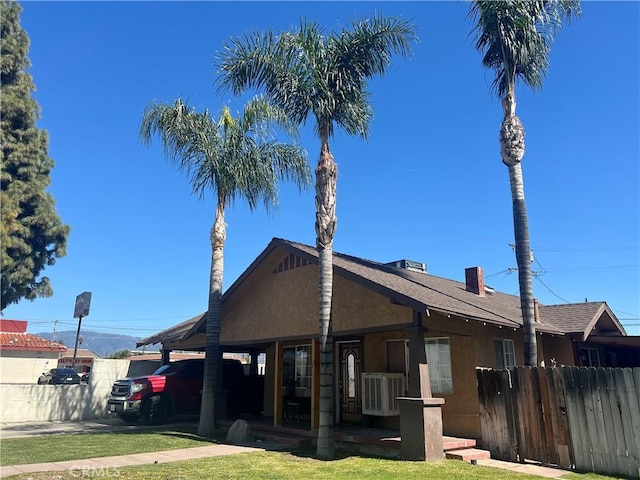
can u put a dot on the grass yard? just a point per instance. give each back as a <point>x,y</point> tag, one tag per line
<point>58,448</point>
<point>279,465</point>
<point>245,466</point>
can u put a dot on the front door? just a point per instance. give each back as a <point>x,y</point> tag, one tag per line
<point>350,382</point>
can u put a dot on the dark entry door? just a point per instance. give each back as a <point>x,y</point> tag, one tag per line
<point>350,382</point>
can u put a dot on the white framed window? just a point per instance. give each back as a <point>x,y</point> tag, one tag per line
<point>439,360</point>
<point>505,353</point>
<point>297,366</point>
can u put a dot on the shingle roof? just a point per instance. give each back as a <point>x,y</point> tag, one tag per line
<point>27,341</point>
<point>418,290</point>
<point>577,317</point>
<point>430,291</point>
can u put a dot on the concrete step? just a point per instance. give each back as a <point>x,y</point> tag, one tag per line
<point>468,454</point>
<point>295,441</point>
<point>455,443</point>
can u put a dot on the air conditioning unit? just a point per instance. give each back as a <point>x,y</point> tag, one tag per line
<point>381,392</point>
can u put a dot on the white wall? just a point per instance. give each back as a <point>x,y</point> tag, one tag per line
<point>25,367</point>
<point>42,403</point>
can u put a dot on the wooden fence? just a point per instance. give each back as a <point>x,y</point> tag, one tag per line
<point>582,418</point>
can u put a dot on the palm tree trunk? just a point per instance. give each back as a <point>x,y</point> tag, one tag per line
<point>512,151</point>
<point>523,258</point>
<point>213,355</point>
<point>326,179</point>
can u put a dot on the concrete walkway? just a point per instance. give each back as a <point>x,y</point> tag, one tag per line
<point>106,465</point>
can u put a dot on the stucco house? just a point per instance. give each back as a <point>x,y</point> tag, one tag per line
<point>380,312</point>
<point>23,356</point>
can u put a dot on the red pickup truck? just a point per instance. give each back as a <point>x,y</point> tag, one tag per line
<point>172,389</point>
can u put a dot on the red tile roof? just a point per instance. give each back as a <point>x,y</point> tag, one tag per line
<point>27,341</point>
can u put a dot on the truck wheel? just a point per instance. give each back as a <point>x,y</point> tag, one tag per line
<point>155,410</point>
<point>128,418</point>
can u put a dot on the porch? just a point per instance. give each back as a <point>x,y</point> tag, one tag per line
<point>355,439</point>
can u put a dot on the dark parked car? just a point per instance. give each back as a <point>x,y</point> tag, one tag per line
<point>59,376</point>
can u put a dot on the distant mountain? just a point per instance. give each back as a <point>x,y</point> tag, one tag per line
<point>102,344</point>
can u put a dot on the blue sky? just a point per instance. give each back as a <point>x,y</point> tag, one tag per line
<point>429,184</point>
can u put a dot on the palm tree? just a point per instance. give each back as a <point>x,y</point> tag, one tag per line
<point>515,38</point>
<point>236,158</point>
<point>309,72</point>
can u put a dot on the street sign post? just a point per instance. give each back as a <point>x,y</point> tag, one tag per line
<point>83,302</point>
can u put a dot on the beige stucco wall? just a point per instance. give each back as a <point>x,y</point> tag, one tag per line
<point>25,367</point>
<point>46,403</point>
<point>282,305</point>
<point>356,308</point>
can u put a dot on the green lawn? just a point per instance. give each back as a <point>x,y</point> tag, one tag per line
<point>58,448</point>
<point>279,465</point>
<point>245,466</point>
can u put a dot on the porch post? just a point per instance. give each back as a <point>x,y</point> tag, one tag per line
<point>277,387</point>
<point>417,355</point>
<point>420,414</point>
<point>165,356</point>
<point>253,366</point>
<point>315,384</point>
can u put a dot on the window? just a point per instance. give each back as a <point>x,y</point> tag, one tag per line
<point>351,375</point>
<point>590,357</point>
<point>505,353</point>
<point>439,361</point>
<point>297,366</point>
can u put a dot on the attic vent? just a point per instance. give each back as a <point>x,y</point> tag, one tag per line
<point>409,265</point>
<point>289,262</point>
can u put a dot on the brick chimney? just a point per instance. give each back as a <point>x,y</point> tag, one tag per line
<point>474,279</point>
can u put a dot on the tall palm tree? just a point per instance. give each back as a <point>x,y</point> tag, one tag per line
<point>309,72</point>
<point>515,38</point>
<point>235,158</point>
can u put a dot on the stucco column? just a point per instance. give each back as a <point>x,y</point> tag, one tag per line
<point>421,428</point>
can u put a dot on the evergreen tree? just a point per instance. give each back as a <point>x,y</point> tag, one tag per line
<point>32,233</point>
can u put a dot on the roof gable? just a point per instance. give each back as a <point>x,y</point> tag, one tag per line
<point>583,318</point>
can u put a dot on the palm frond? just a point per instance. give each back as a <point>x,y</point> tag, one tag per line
<point>228,157</point>
<point>516,36</point>
<point>309,72</point>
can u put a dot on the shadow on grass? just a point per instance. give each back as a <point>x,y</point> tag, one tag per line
<point>310,453</point>
<point>185,431</point>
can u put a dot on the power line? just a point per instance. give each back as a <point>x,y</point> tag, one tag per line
<point>587,249</point>
<point>552,292</point>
